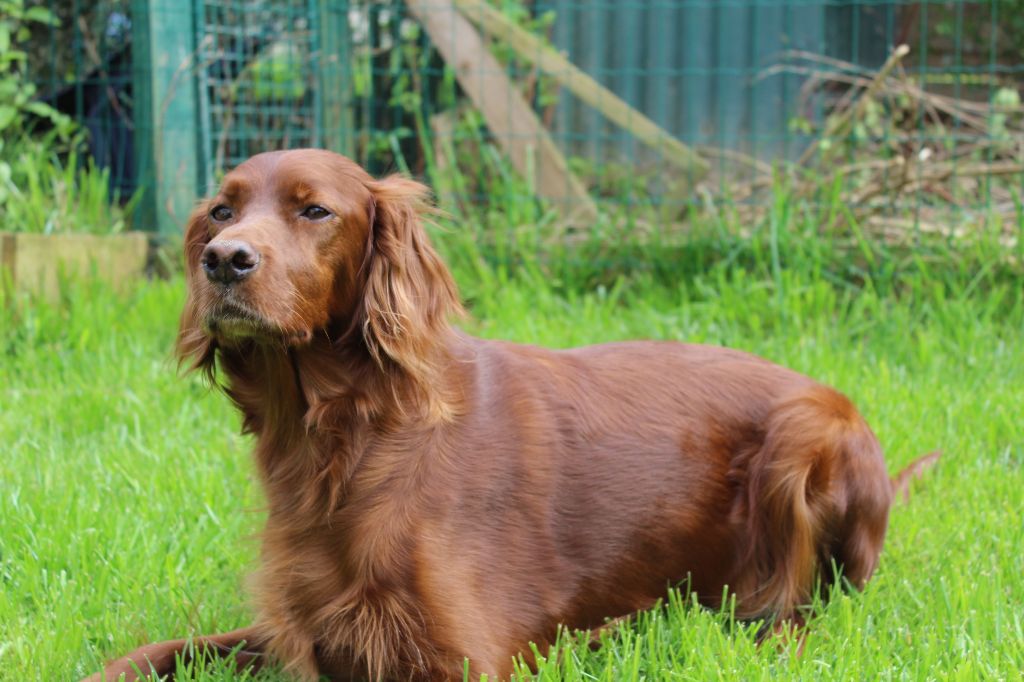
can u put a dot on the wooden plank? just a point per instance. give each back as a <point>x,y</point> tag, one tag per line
<point>34,263</point>
<point>8,265</point>
<point>514,124</point>
<point>548,60</point>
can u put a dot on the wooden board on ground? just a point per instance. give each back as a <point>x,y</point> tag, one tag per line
<point>514,124</point>
<point>34,263</point>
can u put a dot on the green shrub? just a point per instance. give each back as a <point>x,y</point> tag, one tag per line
<point>44,185</point>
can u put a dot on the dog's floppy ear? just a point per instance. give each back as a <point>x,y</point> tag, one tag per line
<point>409,293</point>
<point>194,347</point>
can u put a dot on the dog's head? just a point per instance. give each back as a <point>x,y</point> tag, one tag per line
<point>302,243</point>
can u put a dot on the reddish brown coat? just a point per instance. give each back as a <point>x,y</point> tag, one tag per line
<point>433,496</point>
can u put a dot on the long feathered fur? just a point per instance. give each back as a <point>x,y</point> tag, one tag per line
<point>432,496</point>
<point>408,297</point>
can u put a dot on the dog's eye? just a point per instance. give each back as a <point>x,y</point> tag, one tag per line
<point>315,212</point>
<point>221,213</point>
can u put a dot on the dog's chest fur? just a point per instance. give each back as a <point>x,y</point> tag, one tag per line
<point>337,557</point>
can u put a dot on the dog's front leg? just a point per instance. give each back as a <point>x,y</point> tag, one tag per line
<point>160,658</point>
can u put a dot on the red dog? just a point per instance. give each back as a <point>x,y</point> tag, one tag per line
<point>435,497</point>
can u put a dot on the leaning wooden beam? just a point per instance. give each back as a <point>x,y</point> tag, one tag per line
<point>548,60</point>
<point>513,123</point>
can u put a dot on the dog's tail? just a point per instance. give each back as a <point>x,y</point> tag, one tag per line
<point>817,489</point>
<point>901,481</point>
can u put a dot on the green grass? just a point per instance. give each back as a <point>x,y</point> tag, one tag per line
<point>41,192</point>
<point>128,502</point>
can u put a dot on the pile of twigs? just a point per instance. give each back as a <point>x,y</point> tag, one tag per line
<point>897,159</point>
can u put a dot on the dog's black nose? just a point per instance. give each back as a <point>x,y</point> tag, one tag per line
<point>229,261</point>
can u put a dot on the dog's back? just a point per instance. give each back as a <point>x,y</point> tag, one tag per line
<point>584,482</point>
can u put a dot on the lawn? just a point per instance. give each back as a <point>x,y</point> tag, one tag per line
<point>128,501</point>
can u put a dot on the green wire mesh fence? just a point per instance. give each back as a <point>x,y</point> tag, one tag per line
<point>572,107</point>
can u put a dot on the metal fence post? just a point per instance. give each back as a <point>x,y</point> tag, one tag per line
<point>165,100</point>
<point>336,104</point>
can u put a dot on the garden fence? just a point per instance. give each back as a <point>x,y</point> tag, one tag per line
<point>567,104</point>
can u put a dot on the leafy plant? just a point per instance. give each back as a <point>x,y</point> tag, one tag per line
<point>17,92</point>
<point>44,186</point>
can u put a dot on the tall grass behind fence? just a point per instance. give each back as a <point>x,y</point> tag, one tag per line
<point>806,98</point>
